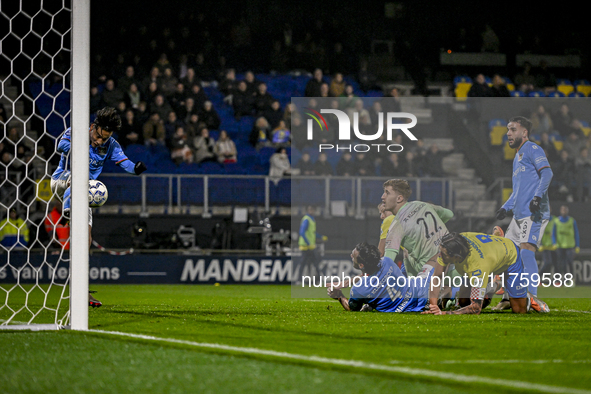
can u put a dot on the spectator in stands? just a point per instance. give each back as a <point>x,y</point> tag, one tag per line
<point>313,85</point>
<point>198,95</point>
<point>111,95</point>
<point>209,116</point>
<point>359,109</point>
<point>480,88</point>
<point>14,232</point>
<point>162,63</point>
<point>364,165</point>
<point>563,182</point>
<point>262,100</point>
<point>180,152</point>
<point>374,113</point>
<point>346,165</point>
<point>279,165</point>
<point>541,120</point>
<point>322,167</point>
<point>133,96</point>
<point>151,92</point>
<point>4,115</point>
<point>153,130</point>
<point>177,99</point>
<point>572,145</point>
<point>281,135</point>
<point>274,115</point>
<point>545,80</point>
<point>432,162</point>
<point>260,136</point>
<point>130,132</point>
<point>499,87</point>
<point>348,98</point>
<point>185,111</point>
<point>367,80</point>
<point>190,79</point>
<point>583,174</point>
<point>203,70</point>
<point>96,100</point>
<point>161,106</point>
<point>243,102</point>
<point>565,122</point>
<point>121,108</point>
<point>225,149</point>
<point>337,85</point>
<point>490,40</point>
<point>228,85</point>
<point>125,82</point>
<point>153,77</point>
<point>141,113</point>
<point>525,81</point>
<point>305,165</point>
<point>204,147</point>
<point>391,101</point>
<point>549,148</point>
<point>324,90</point>
<point>252,84</point>
<point>393,166</point>
<point>171,124</point>
<point>410,165</point>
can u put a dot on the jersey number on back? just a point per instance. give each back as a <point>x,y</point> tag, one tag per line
<point>429,234</point>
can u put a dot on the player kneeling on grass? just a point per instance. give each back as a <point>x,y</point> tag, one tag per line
<point>480,257</point>
<point>383,286</point>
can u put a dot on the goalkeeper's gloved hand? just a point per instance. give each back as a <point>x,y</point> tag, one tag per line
<point>501,213</point>
<point>139,168</point>
<point>534,205</point>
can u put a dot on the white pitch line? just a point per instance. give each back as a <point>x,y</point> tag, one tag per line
<point>513,384</point>
<point>555,361</point>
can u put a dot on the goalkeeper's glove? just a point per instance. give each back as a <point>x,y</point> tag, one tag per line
<point>534,205</point>
<point>139,168</point>
<point>501,213</point>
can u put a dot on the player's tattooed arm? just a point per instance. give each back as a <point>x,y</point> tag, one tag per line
<point>473,309</point>
<point>338,295</point>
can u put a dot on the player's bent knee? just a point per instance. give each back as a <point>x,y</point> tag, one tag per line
<point>528,246</point>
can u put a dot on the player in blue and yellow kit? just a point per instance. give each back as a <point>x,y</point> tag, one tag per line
<point>383,286</point>
<point>103,147</point>
<point>529,200</point>
<point>479,257</point>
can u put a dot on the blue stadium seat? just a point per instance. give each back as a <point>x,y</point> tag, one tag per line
<point>556,94</point>
<point>576,94</point>
<point>210,167</point>
<point>536,93</point>
<point>462,79</point>
<point>517,93</point>
<point>265,154</point>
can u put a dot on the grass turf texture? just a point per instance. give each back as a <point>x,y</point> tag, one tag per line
<point>550,349</point>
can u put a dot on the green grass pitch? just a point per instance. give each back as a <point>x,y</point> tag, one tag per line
<point>374,352</point>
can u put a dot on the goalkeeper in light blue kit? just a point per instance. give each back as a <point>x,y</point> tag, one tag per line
<point>103,147</point>
<point>529,201</point>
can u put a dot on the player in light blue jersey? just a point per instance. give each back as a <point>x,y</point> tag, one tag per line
<point>529,201</point>
<point>103,147</point>
<point>383,286</point>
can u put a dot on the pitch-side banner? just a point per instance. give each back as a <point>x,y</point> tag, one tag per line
<point>163,269</point>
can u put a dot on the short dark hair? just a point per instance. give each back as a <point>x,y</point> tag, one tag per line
<point>108,119</point>
<point>400,186</point>
<point>369,256</point>
<point>456,245</point>
<point>524,122</point>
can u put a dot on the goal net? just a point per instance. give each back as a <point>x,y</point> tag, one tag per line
<point>35,109</point>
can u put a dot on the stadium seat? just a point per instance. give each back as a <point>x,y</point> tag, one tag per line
<point>510,85</point>
<point>462,85</point>
<point>508,152</point>
<point>556,94</point>
<point>517,93</point>
<point>576,94</point>
<point>583,86</point>
<point>536,93</point>
<point>585,127</point>
<point>564,86</point>
<point>498,129</point>
<point>557,141</point>
<point>264,155</point>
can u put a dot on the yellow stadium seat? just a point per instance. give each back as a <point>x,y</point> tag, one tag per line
<point>461,90</point>
<point>496,135</point>
<point>508,151</point>
<point>558,145</point>
<point>510,87</point>
<point>585,89</point>
<point>565,89</point>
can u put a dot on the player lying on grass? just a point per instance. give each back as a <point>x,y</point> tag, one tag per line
<point>383,286</point>
<point>480,257</point>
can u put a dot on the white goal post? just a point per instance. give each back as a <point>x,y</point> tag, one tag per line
<point>44,59</point>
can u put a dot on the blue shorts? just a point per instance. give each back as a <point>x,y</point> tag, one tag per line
<point>514,276</point>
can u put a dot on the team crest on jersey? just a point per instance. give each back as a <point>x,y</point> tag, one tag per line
<point>520,157</point>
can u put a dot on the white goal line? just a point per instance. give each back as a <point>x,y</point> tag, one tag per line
<point>416,372</point>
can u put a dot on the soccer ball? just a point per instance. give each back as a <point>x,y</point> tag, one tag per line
<point>97,193</point>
